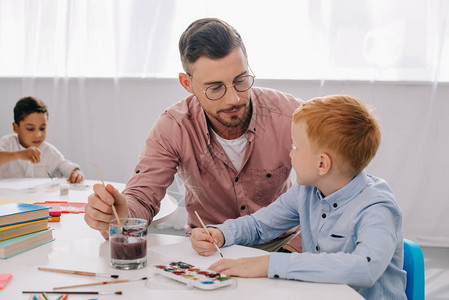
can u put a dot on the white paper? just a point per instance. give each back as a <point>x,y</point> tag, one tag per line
<point>23,183</point>
<point>184,252</point>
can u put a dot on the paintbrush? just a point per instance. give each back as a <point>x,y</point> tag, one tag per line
<point>205,228</point>
<point>73,292</point>
<point>46,170</point>
<point>113,207</point>
<point>77,272</point>
<point>98,283</point>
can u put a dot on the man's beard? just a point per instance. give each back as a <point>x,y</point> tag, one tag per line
<point>235,121</point>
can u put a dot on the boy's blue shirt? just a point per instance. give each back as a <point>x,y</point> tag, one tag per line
<point>353,236</point>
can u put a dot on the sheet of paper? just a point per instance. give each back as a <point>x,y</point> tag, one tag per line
<point>23,183</point>
<point>184,252</point>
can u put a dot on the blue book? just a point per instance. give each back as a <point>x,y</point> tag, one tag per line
<point>15,213</point>
<point>14,246</point>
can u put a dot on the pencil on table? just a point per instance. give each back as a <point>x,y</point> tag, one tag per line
<point>74,292</point>
<point>98,283</point>
<point>76,272</point>
<point>205,228</point>
<point>42,297</point>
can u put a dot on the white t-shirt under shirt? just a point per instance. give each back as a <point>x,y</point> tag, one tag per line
<point>55,162</point>
<point>234,149</point>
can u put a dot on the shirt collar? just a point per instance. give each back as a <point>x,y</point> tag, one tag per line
<point>19,144</point>
<point>346,193</point>
<point>252,123</point>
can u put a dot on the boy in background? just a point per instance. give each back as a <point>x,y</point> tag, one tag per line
<point>350,223</point>
<point>26,154</point>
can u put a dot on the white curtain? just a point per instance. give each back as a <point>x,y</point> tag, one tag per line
<point>82,38</point>
<point>405,40</point>
<point>107,69</point>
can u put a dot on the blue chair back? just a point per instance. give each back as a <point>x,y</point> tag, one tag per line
<point>414,266</point>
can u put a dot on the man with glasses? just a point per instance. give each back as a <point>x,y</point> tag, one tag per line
<point>229,141</point>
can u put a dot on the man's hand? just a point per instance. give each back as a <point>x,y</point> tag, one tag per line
<point>76,176</point>
<point>31,154</point>
<point>243,267</point>
<point>202,242</point>
<point>99,207</point>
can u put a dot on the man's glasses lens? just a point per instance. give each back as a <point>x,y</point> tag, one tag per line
<point>241,84</point>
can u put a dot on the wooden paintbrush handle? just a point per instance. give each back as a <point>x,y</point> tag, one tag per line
<point>67,271</point>
<point>89,284</point>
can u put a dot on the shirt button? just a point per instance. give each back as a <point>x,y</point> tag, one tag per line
<point>335,205</point>
<point>236,179</point>
<point>368,258</point>
<point>317,248</point>
<point>268,175</point>
<point>276,276</point>
<point>323,216</point>
<point>137,171</point>
<point>242,207</point>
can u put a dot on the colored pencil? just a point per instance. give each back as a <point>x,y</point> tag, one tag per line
<point>42,297</point>
<point>113,207</point>
<point>76,272</point>
<point>205,228</point>
<point>73,292</point>
<point>98,283</point>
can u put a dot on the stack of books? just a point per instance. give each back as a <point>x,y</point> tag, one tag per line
<point>23,226</point>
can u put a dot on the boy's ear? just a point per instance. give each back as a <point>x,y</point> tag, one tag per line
<point>15,127</point>
<point>325,164</point>
<point>184,79</point>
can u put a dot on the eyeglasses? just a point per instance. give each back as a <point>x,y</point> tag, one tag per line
<point>240,84</point>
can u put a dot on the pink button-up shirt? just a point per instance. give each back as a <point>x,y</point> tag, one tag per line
<point>181,142</point>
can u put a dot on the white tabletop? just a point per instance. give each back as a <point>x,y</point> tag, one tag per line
<point>77,247</point>
<point>43,192</point>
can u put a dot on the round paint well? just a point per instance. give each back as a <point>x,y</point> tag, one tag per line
<point>224,278</point>
<point>179,272</point>
<point>203,273</point>
<point>169,270</point>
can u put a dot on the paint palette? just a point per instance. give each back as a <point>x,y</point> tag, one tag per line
<point>193,276</point>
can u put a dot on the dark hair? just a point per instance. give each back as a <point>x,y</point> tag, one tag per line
<point>208,37</point>
<point>27,106</point>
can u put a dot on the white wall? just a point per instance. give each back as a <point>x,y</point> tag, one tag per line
<point>105,122</point>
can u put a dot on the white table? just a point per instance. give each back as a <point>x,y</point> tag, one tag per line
<point>42,194</point>
<point>78,247</point>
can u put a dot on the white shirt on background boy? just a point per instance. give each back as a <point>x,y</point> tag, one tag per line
<point>53,160</point>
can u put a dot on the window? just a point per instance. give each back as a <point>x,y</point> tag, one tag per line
<point>405,40</point>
